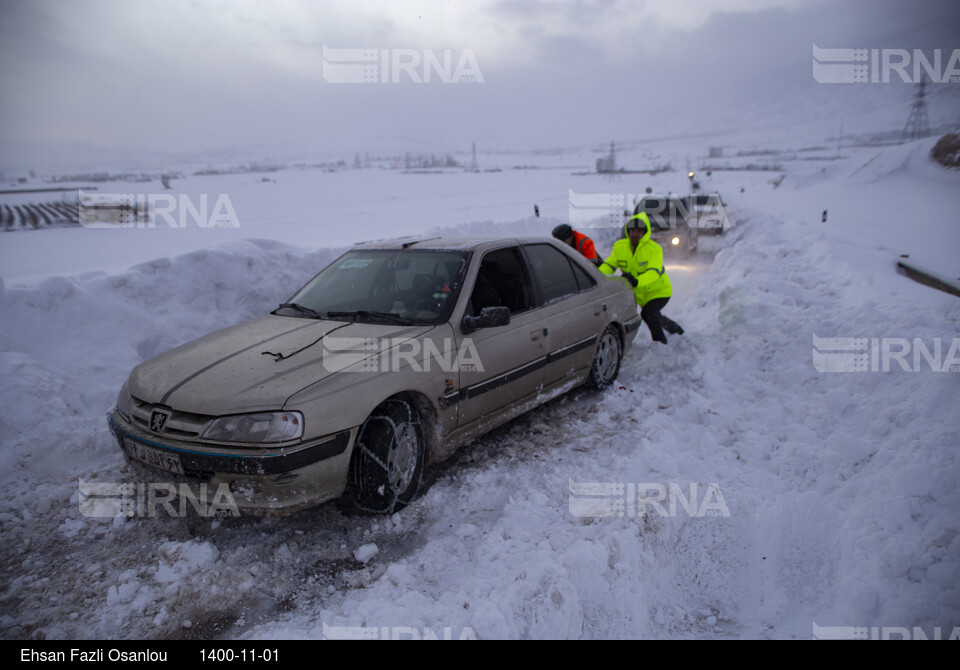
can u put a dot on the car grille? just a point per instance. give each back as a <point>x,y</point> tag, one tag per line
<point>180,424</point>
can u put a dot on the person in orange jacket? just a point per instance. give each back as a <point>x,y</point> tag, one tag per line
<point>578,241</point>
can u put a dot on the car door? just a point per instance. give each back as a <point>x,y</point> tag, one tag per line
<point>501,366</point>
<point>573,312</point>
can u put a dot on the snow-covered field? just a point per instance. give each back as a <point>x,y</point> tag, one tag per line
<point>836,499</point>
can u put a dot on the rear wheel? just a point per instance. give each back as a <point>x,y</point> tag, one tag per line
<point>388,459</point>
<point>606,362</point>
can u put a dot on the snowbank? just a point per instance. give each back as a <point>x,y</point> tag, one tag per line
<point>840,500</point>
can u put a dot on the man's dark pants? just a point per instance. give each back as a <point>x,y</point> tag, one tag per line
<point>657,322</point>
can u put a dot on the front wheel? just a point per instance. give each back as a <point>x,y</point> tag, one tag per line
<point>387,465</point>
<point>606,362</point>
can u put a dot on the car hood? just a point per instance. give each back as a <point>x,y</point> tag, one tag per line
<point>257,365</point>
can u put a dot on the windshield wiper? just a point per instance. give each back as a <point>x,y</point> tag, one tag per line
<point>303,310</point>
<point>365,314</point>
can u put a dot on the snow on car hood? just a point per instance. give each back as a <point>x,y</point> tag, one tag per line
<point>237,369</point>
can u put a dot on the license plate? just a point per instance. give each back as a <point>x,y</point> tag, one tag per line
<point>162,460</point>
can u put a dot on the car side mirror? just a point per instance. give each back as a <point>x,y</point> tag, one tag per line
<point>490,317</point>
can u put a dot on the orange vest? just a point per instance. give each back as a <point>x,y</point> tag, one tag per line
<point>584,245</point>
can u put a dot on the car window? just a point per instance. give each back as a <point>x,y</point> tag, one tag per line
<point>584,281</point>
<point>416,285</point>
<point>502,281</point>
<point>552,271</point>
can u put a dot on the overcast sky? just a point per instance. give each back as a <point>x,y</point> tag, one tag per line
<point>138,77</point>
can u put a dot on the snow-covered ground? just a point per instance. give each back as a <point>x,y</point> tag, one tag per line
<point>836,499</point>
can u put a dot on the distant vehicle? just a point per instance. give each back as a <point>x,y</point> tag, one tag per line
<point>389,359</point>
<point>677,222</point>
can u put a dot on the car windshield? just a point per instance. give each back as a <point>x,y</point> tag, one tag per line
<point>384,286</point>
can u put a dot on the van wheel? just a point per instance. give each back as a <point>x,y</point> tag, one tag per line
<point>606,362</point>
<point>388,459</point>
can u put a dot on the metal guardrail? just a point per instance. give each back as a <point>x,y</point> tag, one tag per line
<point>928,278</point>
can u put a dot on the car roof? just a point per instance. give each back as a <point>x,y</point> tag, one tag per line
<point>425,242</point>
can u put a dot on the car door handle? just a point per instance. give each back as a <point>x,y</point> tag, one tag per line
<point>537,334</point>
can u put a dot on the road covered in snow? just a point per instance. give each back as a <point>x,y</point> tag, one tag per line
<point>730,487</point>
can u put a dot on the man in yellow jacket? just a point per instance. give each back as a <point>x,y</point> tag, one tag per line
<point>640,259</point>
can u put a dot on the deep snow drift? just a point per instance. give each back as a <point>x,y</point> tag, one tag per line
<point>842,489</point>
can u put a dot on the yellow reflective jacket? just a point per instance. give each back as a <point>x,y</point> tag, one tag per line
<point>645,263</point>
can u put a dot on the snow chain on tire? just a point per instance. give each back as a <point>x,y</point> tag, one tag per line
<point>382,454</point>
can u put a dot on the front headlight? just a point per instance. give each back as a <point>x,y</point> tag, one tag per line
<point>123,402</point>
<point>262,427</point>
<point>675,241</point>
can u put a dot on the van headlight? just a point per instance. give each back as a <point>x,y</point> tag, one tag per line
<point>256,428</point>
<point>675,241</point>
